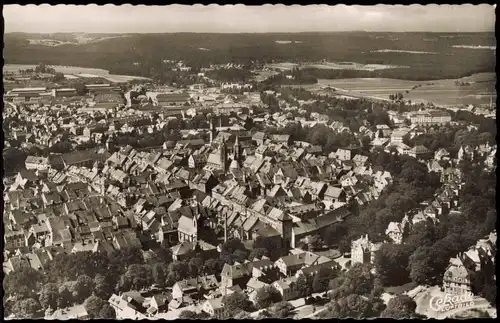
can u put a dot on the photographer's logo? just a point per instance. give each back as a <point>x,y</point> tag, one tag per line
<point>450,302</point>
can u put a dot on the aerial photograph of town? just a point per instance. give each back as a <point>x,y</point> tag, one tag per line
<point>249,162</point>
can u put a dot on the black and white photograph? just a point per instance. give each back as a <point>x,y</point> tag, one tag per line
<point>213,162</point>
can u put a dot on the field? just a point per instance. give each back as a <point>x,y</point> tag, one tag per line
<point>282,66</point>
<point>440,92</point>
<point>74,72</point>
<point>58,68</point>
<point>263,75</point>
<point>335,66</point>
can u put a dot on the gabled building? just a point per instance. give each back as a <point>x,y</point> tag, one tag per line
<point>363,250</point>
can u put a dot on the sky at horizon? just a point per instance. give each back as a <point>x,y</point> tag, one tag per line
<point>248,19</point>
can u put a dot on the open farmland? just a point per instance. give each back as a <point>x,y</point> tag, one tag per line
<point>440,92</point>
<point>59,68</point>
<point>74,72</point>
<point>282,66</point>
<point>263,75</point>
<point>480,91</point>
<point>334,66</point>
<point>351,66</point>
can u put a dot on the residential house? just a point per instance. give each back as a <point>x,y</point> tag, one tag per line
<point>36,163</point>
<point>399,134</point>
<point>77,312</point>
<point>396,231</point>
<point>360,160</point>
<point>281,139</point>
<point>253,285</point>
<point>287,288</point>
<point>343,154</point>
<point>214,307</point>
<point>363,250</point>
<point>187,250</point>
<point>291,264</point>
<point>194,287</point>
<point>457,278</point>
<point>14,239</point>
<point>127,307</point>
<point>420,152</point>
<point>236,274</point>
<point>197,161</point>
<point>335,194</point>
<point>259,138</point>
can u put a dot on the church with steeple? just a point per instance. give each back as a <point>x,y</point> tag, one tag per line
<point>225,155</point>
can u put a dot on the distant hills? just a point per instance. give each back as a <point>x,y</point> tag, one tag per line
<point>454,55</point>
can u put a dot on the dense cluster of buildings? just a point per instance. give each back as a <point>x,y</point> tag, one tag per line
<point>196,193</point>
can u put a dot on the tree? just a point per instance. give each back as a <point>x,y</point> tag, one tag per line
<point>400,307</point>
<point>107,312</point>
<point>23,282</point>
<point>345,245</point>
<point>158,274</point>
<point>489,292</point>
<point>391,262</point>
<point>80,88</point>
<point>27,308</point>
<point>314,242</point>
<point>304,285</point>
<point>236,302</point>
<point>190,315</point>
<point>282,310</point>
<point>352,306</point>
<point>358,280</point>
<point>229,251</point>
<point>333,234</point>
<point>65,297</point>
<point>322,279</point>
<point>273,247</point>
<point>195,266</point>
<point>187,315</point>
<point>136,277</point>
<point>151,257</point>
<point>258,253</point>
<point>422,267</point>
<point>83,287</point>
<point>102,286</point>
<point>58,77</point>
<point>177,271</point>
<point>263,315</point>
<point>166,245</point>
<point>212,266</point>
<point>266,296</point>
<point>93,306</point>
<point>48,296</point>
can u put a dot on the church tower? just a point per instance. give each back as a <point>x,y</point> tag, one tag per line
<point>286,228</point>
<point>212,131</point>
<point>110,143</point>
<point>237,149</point>
<point>223,154</point>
